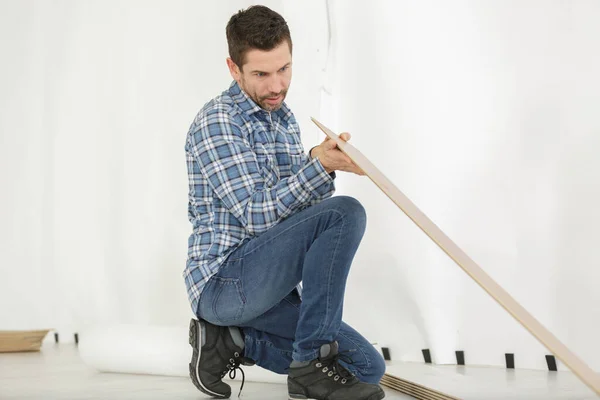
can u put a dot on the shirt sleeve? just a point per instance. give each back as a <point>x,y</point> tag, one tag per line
<point>231,169</point>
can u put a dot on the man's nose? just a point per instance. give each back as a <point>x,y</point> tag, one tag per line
<point>276,84</point>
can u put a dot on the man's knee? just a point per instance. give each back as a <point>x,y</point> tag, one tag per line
<point>371,368</point>
<point>377,368</point>
<point>351,209</point>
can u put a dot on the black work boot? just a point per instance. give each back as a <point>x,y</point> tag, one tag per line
<point>215,354</point>
<point>325,379</point>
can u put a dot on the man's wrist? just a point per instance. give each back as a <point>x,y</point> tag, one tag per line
<point>313,157</point>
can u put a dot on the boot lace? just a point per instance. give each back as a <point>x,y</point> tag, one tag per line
<point>335,370</point>
<point>234,365</point>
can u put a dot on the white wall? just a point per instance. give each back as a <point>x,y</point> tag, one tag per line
<point>96,100</point>
<point>485,115</point>
<point>481,112</point>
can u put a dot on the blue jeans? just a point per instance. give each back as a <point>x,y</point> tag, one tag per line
<point>255,290</point>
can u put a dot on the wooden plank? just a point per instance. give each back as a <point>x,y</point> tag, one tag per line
<point>413,390</point>
<point>541,333</point>
<point>410,392</point>
<point>14,341</point>
<point>391,380</point>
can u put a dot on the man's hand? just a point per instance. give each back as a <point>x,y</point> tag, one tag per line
<point>333,159</point>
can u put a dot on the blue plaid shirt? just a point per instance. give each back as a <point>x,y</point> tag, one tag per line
<point>247,171</point>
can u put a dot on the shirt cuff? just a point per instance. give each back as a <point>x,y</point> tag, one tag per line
<point>315,179</point>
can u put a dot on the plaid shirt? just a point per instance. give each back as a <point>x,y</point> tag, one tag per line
<point>247,171</point>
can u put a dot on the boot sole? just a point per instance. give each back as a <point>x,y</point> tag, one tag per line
<point>195,334</point>
<point>376,396</point>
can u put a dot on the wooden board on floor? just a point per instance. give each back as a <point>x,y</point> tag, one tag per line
<point>582,370</point>
<point>14,341</point>
<point>413,389</point>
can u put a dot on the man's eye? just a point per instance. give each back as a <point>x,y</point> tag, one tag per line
<point>261,74</point>
<point>284,68</point>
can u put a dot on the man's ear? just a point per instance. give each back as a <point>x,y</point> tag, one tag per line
<point>234,70</point>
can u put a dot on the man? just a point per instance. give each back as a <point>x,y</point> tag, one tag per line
<point>263,221</point>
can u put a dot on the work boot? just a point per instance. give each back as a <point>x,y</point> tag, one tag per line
<point>216,353</point>
<point>326,379</point>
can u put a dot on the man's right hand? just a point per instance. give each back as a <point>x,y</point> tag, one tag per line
<point>333,159</point>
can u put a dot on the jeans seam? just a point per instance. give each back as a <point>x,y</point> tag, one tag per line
<point>296,306</point>
<point>313,355</point>
<point>328,302</point>
<point>364,371</point>
<point>222,283</point>
<point>271,345</point>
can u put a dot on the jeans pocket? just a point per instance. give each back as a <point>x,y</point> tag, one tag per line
<point>228,300</point>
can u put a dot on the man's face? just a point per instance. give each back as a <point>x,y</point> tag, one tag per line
<point>265,76</point>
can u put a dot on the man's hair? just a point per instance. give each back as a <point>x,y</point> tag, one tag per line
<point>257,27</point>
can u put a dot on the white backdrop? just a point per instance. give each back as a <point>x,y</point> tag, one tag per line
<point>483,113</point>
<point>97,98</point>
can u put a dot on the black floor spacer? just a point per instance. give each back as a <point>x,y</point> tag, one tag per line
<point>386,353</point>
<point>460,357</point>
<point>551,361</point>
<point>510,360</point>
<point>427,356</point>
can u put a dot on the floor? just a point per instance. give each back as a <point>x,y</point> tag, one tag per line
<point>492,383</point>
<point>57,372</point>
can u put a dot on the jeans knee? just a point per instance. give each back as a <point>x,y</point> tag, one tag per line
<point>373,369</point>
<point>352,210</point>
<point>377,368</point>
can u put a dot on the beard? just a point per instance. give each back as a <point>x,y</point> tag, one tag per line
<point>262,100</point>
